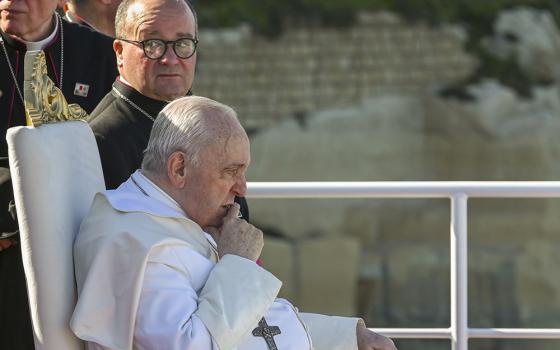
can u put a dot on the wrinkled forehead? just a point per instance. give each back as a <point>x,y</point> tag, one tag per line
<point>227,134</point>
<point>149,15</point>
<point>233,149</point>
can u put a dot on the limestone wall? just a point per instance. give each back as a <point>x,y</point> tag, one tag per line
<point>309,69</point>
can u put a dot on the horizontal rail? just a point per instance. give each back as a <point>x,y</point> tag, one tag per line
<point>514,333</point>
<point>404,189</point>
<point>473,333</point>
<point>415,333</point>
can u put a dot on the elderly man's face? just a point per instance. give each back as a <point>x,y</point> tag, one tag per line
<point>28,20</point>
<point>169,77</point>
<point>211,186</point>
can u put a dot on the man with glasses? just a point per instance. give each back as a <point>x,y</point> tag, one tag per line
<point>155,45</point>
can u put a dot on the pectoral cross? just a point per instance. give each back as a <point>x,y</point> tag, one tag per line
<point>267,332</point>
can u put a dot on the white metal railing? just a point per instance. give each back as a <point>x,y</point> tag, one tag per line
<point>458,192</point>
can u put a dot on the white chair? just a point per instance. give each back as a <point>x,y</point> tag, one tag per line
<point>56,171</point>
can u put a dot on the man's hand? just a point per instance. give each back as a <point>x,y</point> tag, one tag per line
<point>237,236</point>
<point>368,340</point>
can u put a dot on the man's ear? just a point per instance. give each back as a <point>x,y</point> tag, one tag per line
<point>176,169</point>
<point>118,48</point>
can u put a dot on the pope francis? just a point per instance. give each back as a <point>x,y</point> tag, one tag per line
<point>164,261</point>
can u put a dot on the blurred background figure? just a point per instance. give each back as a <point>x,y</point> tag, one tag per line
<point>95,14</point>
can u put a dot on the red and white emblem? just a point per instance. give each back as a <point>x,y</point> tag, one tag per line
<point>81,89</point>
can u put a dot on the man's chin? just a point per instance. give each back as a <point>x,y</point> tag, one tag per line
<point>171,95</point>
<point>219,220</point>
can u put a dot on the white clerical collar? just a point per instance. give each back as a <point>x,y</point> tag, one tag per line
<point>154,191</point>
<point>39,45</point>
<point>123,80</point>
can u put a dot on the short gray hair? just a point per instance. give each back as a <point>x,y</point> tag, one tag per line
<point>188,124</point>
<point>122,15</point>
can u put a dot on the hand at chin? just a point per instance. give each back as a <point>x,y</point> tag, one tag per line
<point>215,226</point>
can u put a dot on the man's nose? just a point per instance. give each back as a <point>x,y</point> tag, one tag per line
<point>240,186</point>
<point>170,57</point>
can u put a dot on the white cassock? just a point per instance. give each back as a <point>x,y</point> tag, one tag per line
<point>150,278</point>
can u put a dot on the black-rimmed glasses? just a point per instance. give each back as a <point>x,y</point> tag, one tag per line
<point>156,48</point>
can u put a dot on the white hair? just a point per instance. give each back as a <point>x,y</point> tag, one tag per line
<point>188,124</point>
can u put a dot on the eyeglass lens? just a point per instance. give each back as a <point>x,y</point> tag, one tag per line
<point>156,48</point>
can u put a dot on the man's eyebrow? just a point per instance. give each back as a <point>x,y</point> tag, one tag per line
<point>185,35</point>
<point>234,166</point>
<point>179,35</point>
<point>148,31</point>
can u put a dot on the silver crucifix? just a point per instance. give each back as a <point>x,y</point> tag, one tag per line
<point>267,332</point>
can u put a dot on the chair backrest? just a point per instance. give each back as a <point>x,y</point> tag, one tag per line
<point>56,171</point>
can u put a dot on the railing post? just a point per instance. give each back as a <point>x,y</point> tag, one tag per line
<point>459,271</point>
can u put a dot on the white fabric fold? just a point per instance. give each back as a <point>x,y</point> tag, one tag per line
<point>331,332</point>
<point>110,256</point>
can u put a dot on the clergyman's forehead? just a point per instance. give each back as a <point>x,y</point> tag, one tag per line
<point>150,10</point>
